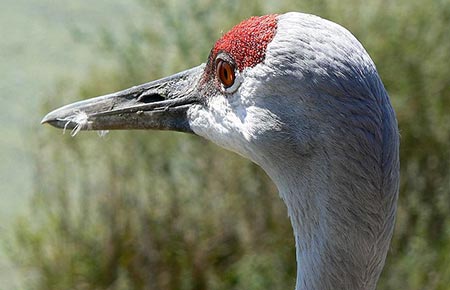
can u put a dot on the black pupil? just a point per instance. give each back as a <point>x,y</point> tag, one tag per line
<point>225,72</point>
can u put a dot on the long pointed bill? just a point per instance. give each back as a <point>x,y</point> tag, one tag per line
<point>160,104</point>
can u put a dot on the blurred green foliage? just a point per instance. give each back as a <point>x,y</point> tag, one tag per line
<point>160,210</point>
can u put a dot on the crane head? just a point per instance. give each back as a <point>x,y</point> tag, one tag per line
<point>269,81</point>
<point>205,100</point>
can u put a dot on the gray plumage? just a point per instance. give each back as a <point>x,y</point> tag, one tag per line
<point>315,116</point>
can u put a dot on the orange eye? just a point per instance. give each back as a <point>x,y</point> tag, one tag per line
<point>225,73</point>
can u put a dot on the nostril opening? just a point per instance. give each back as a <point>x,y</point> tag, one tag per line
<point>151,98</point>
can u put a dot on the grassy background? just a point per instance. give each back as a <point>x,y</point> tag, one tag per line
<point>159,210</point>
<point>44,45</point>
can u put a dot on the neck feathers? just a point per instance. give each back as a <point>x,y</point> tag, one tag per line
<point>342,202</point>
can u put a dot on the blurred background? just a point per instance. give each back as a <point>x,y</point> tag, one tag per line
<point>170,211</point>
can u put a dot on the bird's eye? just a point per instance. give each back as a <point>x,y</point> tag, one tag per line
<point>225,73</point>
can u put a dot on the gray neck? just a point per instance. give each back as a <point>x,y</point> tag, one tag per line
<point>342,225</point>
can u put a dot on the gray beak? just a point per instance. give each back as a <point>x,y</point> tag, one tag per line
<point>160,105</point>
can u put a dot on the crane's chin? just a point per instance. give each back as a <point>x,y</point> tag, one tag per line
<point>159,105</point>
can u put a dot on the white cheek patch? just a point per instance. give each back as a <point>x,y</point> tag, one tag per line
<point>229,123</point>
<point>218,123</point>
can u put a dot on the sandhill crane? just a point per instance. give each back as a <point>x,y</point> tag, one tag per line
<point>300,97</point>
